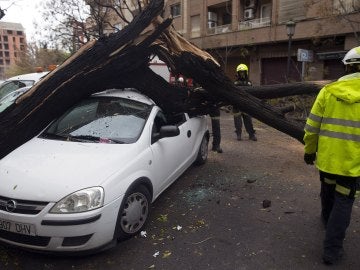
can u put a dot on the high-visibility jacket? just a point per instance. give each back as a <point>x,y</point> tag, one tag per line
<point>332,129</point>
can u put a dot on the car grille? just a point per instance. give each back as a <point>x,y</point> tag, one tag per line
<point>22,206</point>
<point>40,241</point>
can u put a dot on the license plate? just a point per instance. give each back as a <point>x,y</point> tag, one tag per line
<point>17,227</point>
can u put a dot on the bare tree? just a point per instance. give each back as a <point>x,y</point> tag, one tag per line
<point>35,58</point>
<point>71,23</point>
<point>338,11</point>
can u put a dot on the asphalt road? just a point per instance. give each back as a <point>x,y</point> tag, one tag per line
<point>213,217</point>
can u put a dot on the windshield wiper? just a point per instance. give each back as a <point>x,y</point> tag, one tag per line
<point>84,138</point>
<point>54,136</point>
<point>94,139</point>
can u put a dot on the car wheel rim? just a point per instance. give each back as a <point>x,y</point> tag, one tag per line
<point>204,149</point>
<point>135,213</point>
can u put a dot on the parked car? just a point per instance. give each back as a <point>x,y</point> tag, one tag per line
<point>20,81</point>
<point>10,98</point>
<point>89,178</point>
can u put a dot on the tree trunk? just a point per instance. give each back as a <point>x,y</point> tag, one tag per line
<point>121,60</point>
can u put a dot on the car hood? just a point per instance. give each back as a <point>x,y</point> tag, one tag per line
<point>48,170</point>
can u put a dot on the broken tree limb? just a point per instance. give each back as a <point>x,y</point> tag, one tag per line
<point>212,78</point>
<point>90,70</point>
<point>121,60</point>
<point>287,109</point>
<point>283,90</point>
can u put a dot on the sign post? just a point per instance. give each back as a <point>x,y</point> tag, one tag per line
<point>304,56</point>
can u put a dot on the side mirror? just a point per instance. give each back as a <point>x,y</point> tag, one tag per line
<point>165,132</point>
<point>169,131</point>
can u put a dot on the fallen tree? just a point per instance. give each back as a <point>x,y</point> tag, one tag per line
<point>121,60</point>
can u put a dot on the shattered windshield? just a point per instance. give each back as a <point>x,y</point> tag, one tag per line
<point>101,119</point>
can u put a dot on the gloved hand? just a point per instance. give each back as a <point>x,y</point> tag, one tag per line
<point>309,158</point>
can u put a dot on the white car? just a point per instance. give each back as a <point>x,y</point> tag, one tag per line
<point>89,178</point>
<point>10,98</point>
<point>20,81</point>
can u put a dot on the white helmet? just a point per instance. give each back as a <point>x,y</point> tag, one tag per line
<point>352,56</point>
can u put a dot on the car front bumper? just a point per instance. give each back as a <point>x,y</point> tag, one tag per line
<point>63,232</point>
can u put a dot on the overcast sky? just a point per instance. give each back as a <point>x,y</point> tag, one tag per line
<point>22,11</point>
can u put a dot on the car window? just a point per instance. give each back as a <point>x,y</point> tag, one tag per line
<point>176,119</point>
<point>159,121</point>
<point>10,86</point>
<point>10,98</point>
<point>99,119</point>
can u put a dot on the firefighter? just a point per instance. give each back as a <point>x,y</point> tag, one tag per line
<point>215,127</point>
<point>242,79</point>
<point>332,138</point>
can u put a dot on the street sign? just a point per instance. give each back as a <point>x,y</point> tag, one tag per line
<point>305,55</point>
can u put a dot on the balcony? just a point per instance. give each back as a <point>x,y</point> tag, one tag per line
<point>219,29</point>
<point>256,23</point>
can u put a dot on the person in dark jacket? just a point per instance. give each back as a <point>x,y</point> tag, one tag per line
<point>215,122</point>
<point>242,79</point>
<point>215,127</point>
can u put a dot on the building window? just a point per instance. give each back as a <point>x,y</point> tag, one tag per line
<point>175,10</point>
<point>346,6</point>
<point>13,39</point>
<point>1,61</point>
<point>6,46</point>
<point>195,26</point>
<point>7,54</point>
<point>9,32</point>
<point>21,40</point>
<point>265,11</point>
<point>5,38</point>
<point>19,33</point>
<point>291,10</point>
<point>7,62</point>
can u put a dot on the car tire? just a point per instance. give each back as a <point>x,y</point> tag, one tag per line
<point>203,151</point>
<point>134,212</point>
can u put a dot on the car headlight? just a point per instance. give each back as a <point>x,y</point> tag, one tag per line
<point>80,201</point>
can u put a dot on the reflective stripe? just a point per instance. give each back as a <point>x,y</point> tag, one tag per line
<point>345,191</point>
<point>315,117</point>
<point>312,129</point>
<point>341,122</point>
<point>340,135</point>
<point>334,121</point>
<point>330,181</point>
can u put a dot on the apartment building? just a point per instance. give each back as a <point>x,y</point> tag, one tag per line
<point>12,43</point>
<point>254,32</point>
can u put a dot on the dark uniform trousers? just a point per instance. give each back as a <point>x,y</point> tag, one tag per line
<point>215,126</point>
<point>336,209</point>
<point>239,117</point>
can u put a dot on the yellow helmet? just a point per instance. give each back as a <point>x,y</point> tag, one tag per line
<point>352,56</point>
<point>242,67</point>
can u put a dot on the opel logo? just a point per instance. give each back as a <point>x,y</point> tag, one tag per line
<point>10,206</point>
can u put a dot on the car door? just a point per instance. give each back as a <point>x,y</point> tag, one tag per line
<point>170,155</point>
